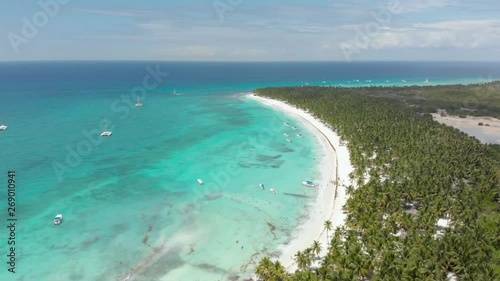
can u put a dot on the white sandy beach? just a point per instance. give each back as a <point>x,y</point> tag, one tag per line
<point>469,125</point>
<point>335,168</point>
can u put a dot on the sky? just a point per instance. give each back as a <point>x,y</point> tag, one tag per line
<point>250,30</point>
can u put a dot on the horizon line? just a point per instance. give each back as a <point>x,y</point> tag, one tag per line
<point>256,61</point>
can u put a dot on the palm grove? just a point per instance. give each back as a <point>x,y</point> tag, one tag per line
<point>409,172</point>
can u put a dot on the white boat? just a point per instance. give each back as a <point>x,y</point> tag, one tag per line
<point>300,135</point>
<point>139,103</point>
<point>2,126</point>
<point>368,81</point>
<point>288,140</point>
<point>404,81</point>
<point>273,191</point>
<point>175,93</point>
<point>323,82</point>
<point>106,133</point>
<point>261,186</point>
<point>287,124</point>
<point>387,81</point>
<point>426,80</point>
<point>200,182</point>
<point>295,128</point>
<point>308,183</point>
<point>58,219</point>
<point>286,134</point>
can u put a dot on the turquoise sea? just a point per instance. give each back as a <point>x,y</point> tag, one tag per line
<point>131,202</point>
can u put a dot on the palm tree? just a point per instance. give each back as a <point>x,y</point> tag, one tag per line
<point>316,248</point>
<point>264,269</point>
<point>328,227</point>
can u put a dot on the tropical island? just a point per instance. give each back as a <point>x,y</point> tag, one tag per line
<point>423,198</point>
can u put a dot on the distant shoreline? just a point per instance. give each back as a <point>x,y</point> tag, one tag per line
<point>334,167</point>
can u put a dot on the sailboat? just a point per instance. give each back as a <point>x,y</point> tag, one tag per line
<point>426,80</point>
<point>106,133</point>
<point>175,93</point>
<point>2,126</point>
<point>139,103</point>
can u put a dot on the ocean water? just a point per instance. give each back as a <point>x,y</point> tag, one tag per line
<point>131,202</point>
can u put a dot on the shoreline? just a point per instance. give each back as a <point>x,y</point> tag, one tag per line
<point>334,168</point>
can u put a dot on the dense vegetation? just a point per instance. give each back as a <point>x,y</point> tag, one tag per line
<point>458,100</point>
<point>410,172</point>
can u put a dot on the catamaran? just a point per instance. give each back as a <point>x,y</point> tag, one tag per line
<point>139,103</point>
<point>106,133</point>
<point>2,126</point>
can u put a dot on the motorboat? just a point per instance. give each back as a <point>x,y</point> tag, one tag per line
<point>287,124</point>
<point>273,191</point>
<point>58,219</point>
<point>261,186</point>
<point>288,140</point>
<point>200,182</point>
<point>308,183</point>
<point>286,135</point>
<point>300,136</point>
<point>404,81</point>
<point>295,128</point>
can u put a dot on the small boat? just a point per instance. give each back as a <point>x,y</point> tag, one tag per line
<point>295,128</point>
<point>323,82</point>
<point>286,135</point>
<point>287,124</point>
<point>288,140</point>
<point>2,126</point>
<point>200,182</point>
<point>368,81</point>
<point>300,135</point>
<point>404,81</point>
<point>273,191</point>
<point>139,103</point>
<point>387,81</point>
<point>261,186</point>
<point>308,183</point>
<point>106,133</point>
<point>175,93</point>
<point>58,219</point>
<point>426,80</point>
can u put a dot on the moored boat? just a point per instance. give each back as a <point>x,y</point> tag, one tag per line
<point>261,186</point>
<point>308,183</point>
<point>200,182</point>
<point>273,191</point>
<point>58,219</point>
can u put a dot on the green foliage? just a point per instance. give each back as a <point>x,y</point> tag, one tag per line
<point>419,171</point>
